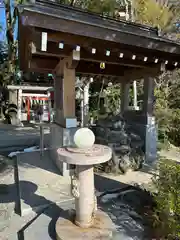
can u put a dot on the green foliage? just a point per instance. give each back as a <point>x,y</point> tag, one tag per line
<point>3,61</point>
<point>162,14</point>
<point>152,13</point>
<point>103,7</point>
<point>9,67</point>
<point>106,100</point>
<point>167,107</point>
<point>174,133</point>
<point>113,96</point>
<point>167,198</point>
<point>106,7</point>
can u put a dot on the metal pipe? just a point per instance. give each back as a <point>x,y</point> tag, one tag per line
<point>85,203</point>
<point>19,103</point>
<point>82,112</point>
<point>41,141</point>
<point>135,95</point>
<point>35,95</point>
<point>16,87</point>
<point>86,104</point>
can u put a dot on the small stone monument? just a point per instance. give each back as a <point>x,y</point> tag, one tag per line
<point>89,222</point>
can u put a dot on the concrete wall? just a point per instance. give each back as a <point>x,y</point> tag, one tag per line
<point>60,137</point>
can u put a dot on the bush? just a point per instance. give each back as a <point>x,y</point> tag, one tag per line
<point>174,133</point>
<point>168,121</point>
<point>167,197</point>
<point>164,122</point>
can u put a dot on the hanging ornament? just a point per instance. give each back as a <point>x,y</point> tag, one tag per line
<point>102,65</point>
<point>61,46</point>
<point>93,50</point>
<point>108,53</point>
<point>78,48</point>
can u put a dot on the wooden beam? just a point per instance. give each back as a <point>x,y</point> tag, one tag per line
<point>90,43</point>
<point>87,44</point>
<point>143,56</point>
<point>142,73</point>
<point>71,62</point>
<point>92,30</point>
<point>94,69</point>
<point>99,57</point>
<point>47,64</point>
<point>43,63</point>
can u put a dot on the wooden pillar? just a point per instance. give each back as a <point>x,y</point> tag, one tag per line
<point>58,92</point>
<point>124,96</point>
<point>148,103</point>
<point>150,125</point>
<point>65,126</point>
<point>64,86</point>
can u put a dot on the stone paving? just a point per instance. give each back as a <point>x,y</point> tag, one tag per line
<point>45,195</point>
<point>37,186</point>
<point>34,226</point>
<point>132,177</point>
<point>40,183</point>
<point>6,180</point>
<point>17,138</point>
<point>173,154</point>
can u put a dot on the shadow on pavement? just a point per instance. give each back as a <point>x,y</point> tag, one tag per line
<point>124,204</point>
<point>103,184</point>
<point>34,160</point>
<point>51,210</point>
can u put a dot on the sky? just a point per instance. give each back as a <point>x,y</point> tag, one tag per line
<point>2,21</point>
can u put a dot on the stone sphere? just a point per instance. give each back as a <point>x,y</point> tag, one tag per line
<point>84,138</point>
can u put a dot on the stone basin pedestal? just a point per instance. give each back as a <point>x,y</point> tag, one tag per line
<point>88,222</point>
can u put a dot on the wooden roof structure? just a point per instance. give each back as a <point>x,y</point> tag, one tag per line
<point>48,32</point>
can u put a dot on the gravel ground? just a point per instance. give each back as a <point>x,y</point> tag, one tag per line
<point>126,207</point>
